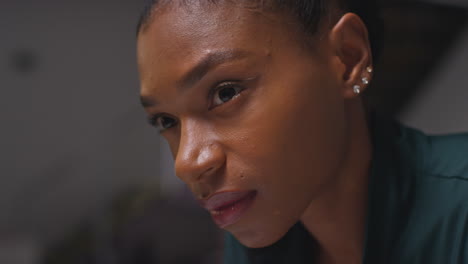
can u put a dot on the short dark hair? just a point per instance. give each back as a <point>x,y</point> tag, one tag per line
<point>309,13</point>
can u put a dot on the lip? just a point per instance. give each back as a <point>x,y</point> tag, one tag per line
<point>226,208</point>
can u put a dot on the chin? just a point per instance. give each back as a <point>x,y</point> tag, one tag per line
<point>259,238</point>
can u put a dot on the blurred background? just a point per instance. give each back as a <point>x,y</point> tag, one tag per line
<point>84,179</point>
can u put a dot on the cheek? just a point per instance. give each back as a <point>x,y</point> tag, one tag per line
<point>295,127</point>
<point>291,146</point>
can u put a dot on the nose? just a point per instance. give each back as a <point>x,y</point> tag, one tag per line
<point>199,155</point>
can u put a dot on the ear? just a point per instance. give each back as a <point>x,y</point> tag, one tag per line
<point>350,43</point>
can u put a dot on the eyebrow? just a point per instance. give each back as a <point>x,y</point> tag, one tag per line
<point>207,63</point>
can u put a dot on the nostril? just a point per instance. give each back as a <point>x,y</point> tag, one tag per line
<point>199,192</point>
<point>204,196</point>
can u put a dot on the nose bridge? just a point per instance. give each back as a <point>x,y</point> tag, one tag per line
<point>198,152</point>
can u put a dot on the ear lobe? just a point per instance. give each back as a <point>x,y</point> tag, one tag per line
<point>350,43</point>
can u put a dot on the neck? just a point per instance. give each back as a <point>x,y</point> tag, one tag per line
<point>336,219</point>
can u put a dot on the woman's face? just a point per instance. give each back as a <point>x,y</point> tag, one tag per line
<point>254,117</point>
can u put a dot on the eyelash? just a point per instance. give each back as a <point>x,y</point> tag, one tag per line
<point>219,87</point>
<point>153,120</point>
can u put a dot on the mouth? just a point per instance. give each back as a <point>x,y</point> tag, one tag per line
<point>226,208</point>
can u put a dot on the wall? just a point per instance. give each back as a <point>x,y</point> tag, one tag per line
<point>443,106</point>
<point>72,131</point>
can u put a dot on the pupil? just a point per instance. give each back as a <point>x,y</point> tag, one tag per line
<point>227,94</point>
<point>166,122</point>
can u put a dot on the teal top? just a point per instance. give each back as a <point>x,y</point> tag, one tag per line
<point>418,206</point>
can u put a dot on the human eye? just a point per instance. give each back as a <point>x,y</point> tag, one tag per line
<point>162,122</point>
<point>225,92</point>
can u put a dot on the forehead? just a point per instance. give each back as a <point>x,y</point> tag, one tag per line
<point>178,38</point>
<point>204,16</point>
<point>181,33</point>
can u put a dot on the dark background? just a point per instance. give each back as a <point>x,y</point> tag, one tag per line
<point>83,179</point>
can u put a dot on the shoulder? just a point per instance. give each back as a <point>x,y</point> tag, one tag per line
<point>440,161</point>
<point>437,203</point>
<point>448,156</point>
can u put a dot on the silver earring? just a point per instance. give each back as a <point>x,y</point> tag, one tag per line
<point>357,89</point>
<point>369,69</point>
<point>365,80</point>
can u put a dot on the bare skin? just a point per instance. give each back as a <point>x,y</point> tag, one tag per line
<point>268,114</point>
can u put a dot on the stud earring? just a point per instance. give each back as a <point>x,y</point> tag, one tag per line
<point>365,80</point>
<point>357,89</point>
